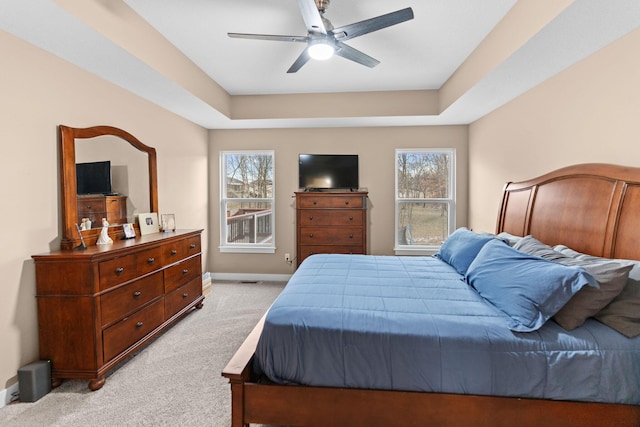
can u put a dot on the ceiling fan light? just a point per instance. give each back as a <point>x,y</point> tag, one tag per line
<point>321,51</point>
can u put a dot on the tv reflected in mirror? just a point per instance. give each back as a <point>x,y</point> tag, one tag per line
<point>93,178</point>
<point>319,172</point>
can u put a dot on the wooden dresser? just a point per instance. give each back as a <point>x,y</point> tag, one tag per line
<point>96,207</point>
<point>331,222</point>
<point>98,306</point>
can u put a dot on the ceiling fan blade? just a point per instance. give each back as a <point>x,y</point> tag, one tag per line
<point>311,16</point>
<point>355,55</point>
<point>374,24</point>
<point>272,37</point>
<point>302,59</point>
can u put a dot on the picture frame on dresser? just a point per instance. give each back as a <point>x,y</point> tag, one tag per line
<point>148,223</point>
<point>129,231</point>
<point>167,222</point>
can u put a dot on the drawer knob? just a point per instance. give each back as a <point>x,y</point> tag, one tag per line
<point>310,217</point>
<point>315,202</point>
<point>173,252</point>
<point>350,217</point>
<point>139,325</point>
<point>137,294</point>
<point>192,246</point>
<point>310,234</point>
<point>88,206</point>
<point>185,271</point>
<point>119,271</point>
<point>150,261</point>
<point>351,236</point>
<point>185,295</point>
<point>346,202</point>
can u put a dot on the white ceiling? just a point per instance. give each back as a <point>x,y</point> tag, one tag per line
<point>415,55</point>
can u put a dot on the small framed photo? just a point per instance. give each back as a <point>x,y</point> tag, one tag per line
<point>148,223</point>
<point>129,231</point>
<point>168,222</point>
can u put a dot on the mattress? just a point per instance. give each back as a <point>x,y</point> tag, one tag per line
<point>413,323</point>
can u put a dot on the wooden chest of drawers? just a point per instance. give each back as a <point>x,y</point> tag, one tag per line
<point>96,207</point>
<point>331,222</point>
<point>97,306</point>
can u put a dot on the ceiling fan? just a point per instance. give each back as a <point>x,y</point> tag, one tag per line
<point>323,40</point>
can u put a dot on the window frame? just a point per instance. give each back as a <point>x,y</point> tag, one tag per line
<point>410,249</point>
<point>246,247</point>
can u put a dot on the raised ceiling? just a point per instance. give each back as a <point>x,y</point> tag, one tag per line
<point>121,41</point>
<point>418,54</point>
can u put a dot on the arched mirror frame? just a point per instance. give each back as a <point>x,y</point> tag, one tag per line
<point>68,138</point>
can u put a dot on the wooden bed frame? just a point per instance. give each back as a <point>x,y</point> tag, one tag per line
<point>592,208</point>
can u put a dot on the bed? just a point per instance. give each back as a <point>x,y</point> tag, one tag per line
<point>580,211</point>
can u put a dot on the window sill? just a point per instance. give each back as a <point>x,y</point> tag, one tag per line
<point>248,249</point>
<point>416,251</point>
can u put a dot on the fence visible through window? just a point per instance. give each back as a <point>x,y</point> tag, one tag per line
<point>247,201</point>
<point>249,226</point>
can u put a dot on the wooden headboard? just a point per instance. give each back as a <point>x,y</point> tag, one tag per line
<point>591,208</point>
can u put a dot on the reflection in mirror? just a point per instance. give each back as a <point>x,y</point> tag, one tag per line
<point>134,177</point>
<point>129,179</point>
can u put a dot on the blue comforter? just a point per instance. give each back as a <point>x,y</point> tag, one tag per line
<point>412,323</point>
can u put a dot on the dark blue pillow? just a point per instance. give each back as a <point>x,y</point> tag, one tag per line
<point>527,288</point>
<point>461,248</point>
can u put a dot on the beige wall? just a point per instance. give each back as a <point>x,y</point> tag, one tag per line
<point>588,113</point>
<point>39,92</point>
<point>376,150</point>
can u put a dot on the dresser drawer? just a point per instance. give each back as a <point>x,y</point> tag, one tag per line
<point>181,249</point>
<point>312,217</point>
<point>179,274</point>
<point>129,330</point>
<point>181,297</point>
<point>124,268</point>
<point>308,250</point>
<point>125,300</point>
<point>322,201</point>
<point>330,236</point>
<point>116,207</point>
<point>91,204</point>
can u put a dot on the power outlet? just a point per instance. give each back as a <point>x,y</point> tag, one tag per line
<point>287,257</point>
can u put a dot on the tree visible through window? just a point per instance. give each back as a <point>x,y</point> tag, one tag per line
<point>247,200</point>
<point>425,203</point>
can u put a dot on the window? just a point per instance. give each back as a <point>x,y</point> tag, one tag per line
<point>425,199</point>
<point>247,201</point>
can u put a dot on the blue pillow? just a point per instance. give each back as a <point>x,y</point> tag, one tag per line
<point>461,248</point>
<point>527,288</point>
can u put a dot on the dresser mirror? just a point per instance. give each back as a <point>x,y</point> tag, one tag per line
<point>134,189</point>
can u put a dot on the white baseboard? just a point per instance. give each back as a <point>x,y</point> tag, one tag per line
<point>251,277</point>
<point>6,395</point>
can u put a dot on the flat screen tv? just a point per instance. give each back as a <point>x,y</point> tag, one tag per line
<point>328,171</point>
<point>93,177</point>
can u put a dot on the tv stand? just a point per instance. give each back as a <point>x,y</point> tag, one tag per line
<point>332,221</point>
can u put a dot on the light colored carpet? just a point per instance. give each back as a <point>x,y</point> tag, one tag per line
<point>174,381</point>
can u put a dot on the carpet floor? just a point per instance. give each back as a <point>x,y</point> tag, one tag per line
<point>174,381</point>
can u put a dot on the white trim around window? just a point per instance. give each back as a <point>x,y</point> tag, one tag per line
<point>247,201</point>
<point>425,202</point>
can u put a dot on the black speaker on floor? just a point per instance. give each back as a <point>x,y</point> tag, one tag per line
<point>34,380</point>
